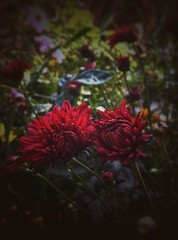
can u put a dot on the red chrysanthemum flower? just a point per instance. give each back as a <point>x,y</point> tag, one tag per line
<point>119,135</point>
<point>15,70</point>
<point>58,136</point>
<point>123,33</point>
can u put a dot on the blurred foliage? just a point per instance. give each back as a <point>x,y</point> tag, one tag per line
<point>153,68</point>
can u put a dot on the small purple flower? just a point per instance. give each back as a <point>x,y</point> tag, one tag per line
<point>37,18</point>
<point>17,99</point>
<point>16,96</point>
<point>45,44</point>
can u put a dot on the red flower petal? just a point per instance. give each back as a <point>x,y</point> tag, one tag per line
<point>59,135</point>
<point>119,136</point>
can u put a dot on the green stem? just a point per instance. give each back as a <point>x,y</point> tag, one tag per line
<point>106,97</point>
<point>35,94</point>
<point>27,99</point>
<point>25,93</point>
<point>128,89</point>
<point>154,182</point>
<point>8,127</point>
<point>126,83</point>
<point>144,188</point>
<point>5,86</point>
<point>55,188</point>
<point>166,154</point>
<point>38,74</point>
<point>87,186</point>
<point>147,103</point>
<point>92,172</point>
<point>106,53</point>
<point>14,191</point>
<point>88,169</point>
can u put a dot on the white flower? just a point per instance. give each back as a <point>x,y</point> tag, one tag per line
<point>37,18</point>
<point>58,55</point>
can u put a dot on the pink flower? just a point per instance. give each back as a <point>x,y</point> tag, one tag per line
<point>45,44</point>
<point>37,18</point>
<point>90,65</point>
<point>119,135</point>
<point>58,136</point>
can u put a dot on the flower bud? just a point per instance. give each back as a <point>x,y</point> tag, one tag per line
<point>123,63</point>
<point>108,176</point>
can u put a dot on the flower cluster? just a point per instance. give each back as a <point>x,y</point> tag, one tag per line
<point>75,146</point>
<point>64,132</point>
